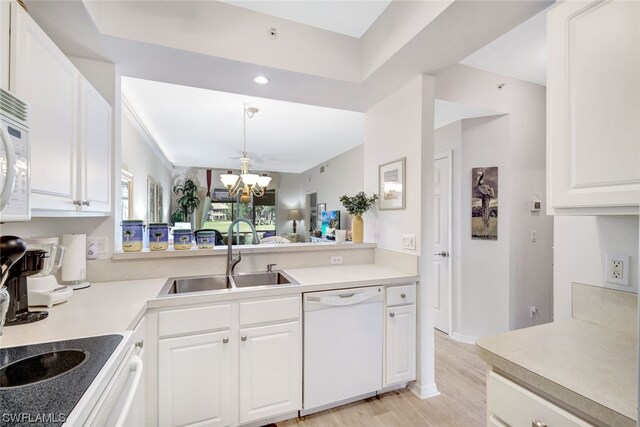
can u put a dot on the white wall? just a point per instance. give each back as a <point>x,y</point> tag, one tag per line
<point>290,195</point>
<point>484,286</point>
<point>392,130</point>
<point>140,159</point>
<point>401,125</point>
<point>580,245</point>
<point>529,280</point>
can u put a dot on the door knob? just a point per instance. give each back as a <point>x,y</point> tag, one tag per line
<point>243,338</point>
<point>392,315</point>
<point>77,202</point>
<point>225,340</point>
<point>443,254</point>
<point>86,202</point>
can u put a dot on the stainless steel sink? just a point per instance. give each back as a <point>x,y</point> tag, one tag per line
<point>177,286</point>
<point>246,280</point>
<point>196,284</point>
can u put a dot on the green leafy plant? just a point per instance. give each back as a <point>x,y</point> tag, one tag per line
<point>188,201</point>
<point>358,204</point>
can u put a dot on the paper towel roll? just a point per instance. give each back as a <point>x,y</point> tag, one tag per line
<point>74,265</point>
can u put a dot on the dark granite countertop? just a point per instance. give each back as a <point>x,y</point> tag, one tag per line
<point>49,402</point>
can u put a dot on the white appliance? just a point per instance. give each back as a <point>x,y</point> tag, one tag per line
<point>43,288</point>
<point>343,346</point>
<point>15,178</point>
<point>109,401</point>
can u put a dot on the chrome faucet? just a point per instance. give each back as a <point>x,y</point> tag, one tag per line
<point>232,262</point>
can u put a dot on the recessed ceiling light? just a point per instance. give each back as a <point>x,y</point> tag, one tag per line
<point>261,80</point>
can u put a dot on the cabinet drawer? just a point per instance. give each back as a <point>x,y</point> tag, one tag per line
<point>514,405</point>
<point>270,310</point>
<point>401,295</point>
<point>192,320</point>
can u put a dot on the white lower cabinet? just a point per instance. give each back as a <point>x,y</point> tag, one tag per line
<point>230,363</point>
<point>400,346</point>
<point>400,335</point>
<point>270,371</point>
<point>194,382</point>
<point>509,404</point>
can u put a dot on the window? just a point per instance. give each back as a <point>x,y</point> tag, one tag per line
<point>126,198</point>
<point>261,212</point>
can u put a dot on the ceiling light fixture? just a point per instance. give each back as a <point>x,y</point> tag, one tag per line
<point>247,184</point>
<point>261,80</point>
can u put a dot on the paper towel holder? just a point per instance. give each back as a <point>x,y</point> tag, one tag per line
<point>74,265</point>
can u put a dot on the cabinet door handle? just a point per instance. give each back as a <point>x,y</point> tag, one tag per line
<point>140,344</point>
<point>392,315</point>
<point>243,338</point>
<point>86,202</point>
<point>77,202</point>
<point>225,340</point>
<point>403,296</point>
<point>537,423</point>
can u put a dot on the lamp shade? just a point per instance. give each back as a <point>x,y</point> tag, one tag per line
<point>264,180</point>
<point>294,214</point>
<point>249,179</point>
<point>229,179</point>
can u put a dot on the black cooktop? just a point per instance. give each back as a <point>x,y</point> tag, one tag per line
<point>40,384</point>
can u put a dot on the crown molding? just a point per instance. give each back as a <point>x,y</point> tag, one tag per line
<point>137,121</point>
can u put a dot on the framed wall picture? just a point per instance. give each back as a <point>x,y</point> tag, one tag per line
<point>391,190</point>
<point>154,200</point>
<point>484,203</point>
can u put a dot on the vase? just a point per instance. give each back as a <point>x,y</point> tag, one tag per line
<point>357,225</point>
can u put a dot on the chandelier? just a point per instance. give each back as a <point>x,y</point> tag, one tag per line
<point>246,184</point>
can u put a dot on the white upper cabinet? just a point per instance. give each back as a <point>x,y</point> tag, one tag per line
<point>42,76</point>
<point>95,150</point>
<point>70,125</point>
<point>593,108</point>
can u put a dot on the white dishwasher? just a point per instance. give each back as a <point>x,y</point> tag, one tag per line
<point>343,346</point>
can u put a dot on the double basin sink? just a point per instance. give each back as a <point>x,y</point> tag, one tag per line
<point>219,282</point>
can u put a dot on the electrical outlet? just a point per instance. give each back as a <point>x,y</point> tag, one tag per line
<point>533,236</point>
<point>409,241</point>
<point>100,242</point>
<point>336,260</point>
<point>617,269</point>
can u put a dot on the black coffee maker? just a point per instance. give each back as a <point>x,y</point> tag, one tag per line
<point>18,311</point>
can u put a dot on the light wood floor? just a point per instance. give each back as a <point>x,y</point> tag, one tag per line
<point>460,376</point>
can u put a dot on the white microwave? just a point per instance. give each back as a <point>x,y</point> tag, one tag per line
<point>15,154</point>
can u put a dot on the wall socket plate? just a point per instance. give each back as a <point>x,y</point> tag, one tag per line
<point>409,241</point>
<point>100,242</point>
<point>336,260</point>
<point>616,269</point>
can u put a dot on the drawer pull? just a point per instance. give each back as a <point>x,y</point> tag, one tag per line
<point>225,340</point>
<point>392,315</point>
<point>243,338</point>
<point>140,344</point>
<point>403,296</point>
<point>537,423</point>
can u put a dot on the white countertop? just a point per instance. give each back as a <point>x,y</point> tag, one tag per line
<point>589,367</point>
<point>103,308</point>
<point>117,306</point>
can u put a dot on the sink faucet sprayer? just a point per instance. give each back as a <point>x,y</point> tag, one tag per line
<point>232,262</point>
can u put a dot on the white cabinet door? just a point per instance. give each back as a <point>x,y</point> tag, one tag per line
<point>95,150</point>
<point>194,386</point>
<point>43,77</point>
<point>270,371</point>
<point>400,345</point>
<point>593,105</point>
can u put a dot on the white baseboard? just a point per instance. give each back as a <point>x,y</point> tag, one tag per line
<point>465,339</point>
<point>424,392</point>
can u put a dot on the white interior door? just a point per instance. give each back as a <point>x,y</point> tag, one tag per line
<point>441,243</point>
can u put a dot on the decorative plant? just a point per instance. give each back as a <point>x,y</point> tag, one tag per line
<point>188,202</point>
<point>358,204</point>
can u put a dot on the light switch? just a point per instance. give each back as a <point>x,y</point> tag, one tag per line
<point>409,241</point>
